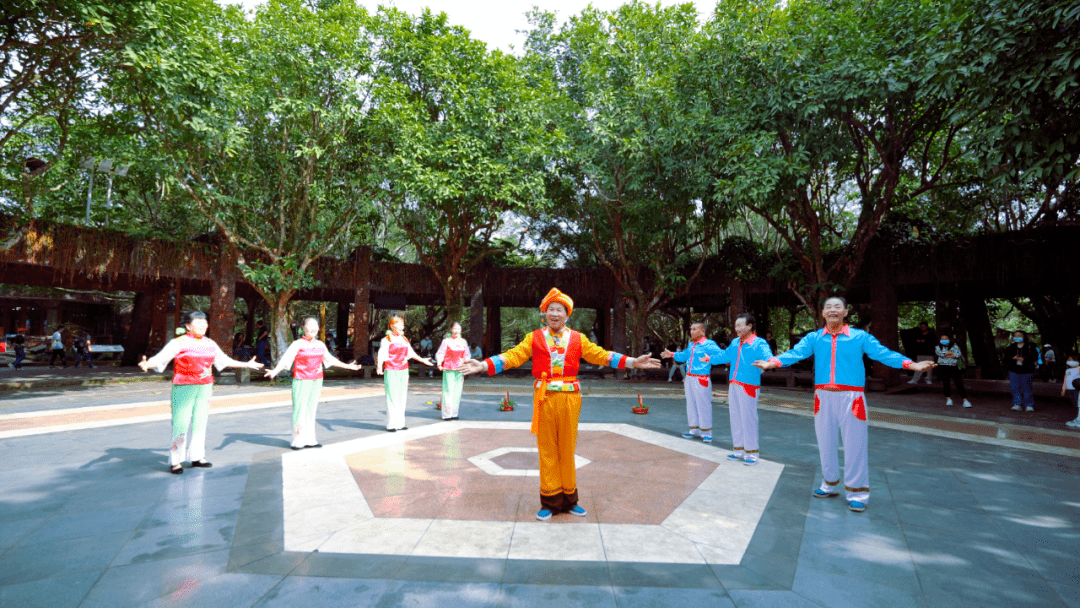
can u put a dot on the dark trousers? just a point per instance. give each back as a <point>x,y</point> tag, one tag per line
<point>262,352</point>
<point>20,356</point>
<point>82,355</point>
<point>949,373</point>
<point>58,352</point>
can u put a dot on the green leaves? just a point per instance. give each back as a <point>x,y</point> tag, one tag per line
<point>462,140</point>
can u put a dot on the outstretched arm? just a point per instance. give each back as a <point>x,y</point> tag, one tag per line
<point>160,360</point>
<point>493,365</point>
<point>878,352</point>
<point>596,355</point>
<point>221,361</point>
<point>802,350</point>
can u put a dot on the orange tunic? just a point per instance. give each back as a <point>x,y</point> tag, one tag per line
<point>556,403</point>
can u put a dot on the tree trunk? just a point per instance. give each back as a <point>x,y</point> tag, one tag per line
<point>476,317</point>
<point>618,330</point>
<point>981,333</point>
<point>885,311</point>
<point>639,323</point>
<point>1058,320</point>
<point>249,323</point>
<point>279,322</point>
<point>222,322</point>
<point>138,335</point>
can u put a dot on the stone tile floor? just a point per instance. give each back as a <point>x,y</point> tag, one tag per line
<point>90,518</point>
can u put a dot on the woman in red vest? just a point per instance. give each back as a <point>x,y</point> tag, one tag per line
<point>193,381</point>
<point>556,352</point>
<point>310,356</point>
<point>392,363</point>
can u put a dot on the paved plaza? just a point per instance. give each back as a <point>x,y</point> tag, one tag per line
<point>966,508</point>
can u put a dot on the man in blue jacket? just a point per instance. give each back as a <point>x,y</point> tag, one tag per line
<point>839,380</point>
<point>744,380</point>
<point>698,356</point>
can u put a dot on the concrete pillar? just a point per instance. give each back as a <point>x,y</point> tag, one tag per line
<point>361,301</point>
<point>884,315</point>
<point>493,338</point>
<point>222,316</point>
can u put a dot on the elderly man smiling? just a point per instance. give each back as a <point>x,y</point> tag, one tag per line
<point>839,405</point>
<point>556,352</point>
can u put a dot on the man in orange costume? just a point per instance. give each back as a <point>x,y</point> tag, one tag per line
<point>556,352</point>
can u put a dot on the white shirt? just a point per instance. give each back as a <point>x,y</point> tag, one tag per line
<point>1071,373</point>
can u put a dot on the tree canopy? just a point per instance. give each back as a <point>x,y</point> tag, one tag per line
<point>635,140</point>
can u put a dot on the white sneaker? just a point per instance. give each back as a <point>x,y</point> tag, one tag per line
<point>928,381</point>
<point>1074,423</point>
<point>1016,408</point>
<point>967,403</point>
<point>1029,409</point>
<point>948,401</point>
<point>912,381</point>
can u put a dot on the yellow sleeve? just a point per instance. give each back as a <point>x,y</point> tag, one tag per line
<point>514,357</point>
<point>595,354</point>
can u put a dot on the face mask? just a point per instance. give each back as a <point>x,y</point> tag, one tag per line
<point>945,342</point>
<point>1072,363</point>
<point>1018,340</point>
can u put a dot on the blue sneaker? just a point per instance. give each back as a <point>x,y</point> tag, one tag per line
<point>577,510</point>
<point>707,438</point>
<point>689,435</point>
<point>750,461</point>
<point>856,506</point>
<point>543,515</point>
<point>735,457</point>
<point>819,493</point>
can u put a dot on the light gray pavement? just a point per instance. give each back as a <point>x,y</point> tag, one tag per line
<point>91,518</point>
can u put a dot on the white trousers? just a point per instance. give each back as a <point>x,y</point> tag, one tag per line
<point>742,409</point>
<point>699,404</point>
<point>929,373</point>
<point>843,415</point>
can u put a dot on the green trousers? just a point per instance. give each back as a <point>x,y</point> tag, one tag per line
<point>305,400</point>
<point>452,383</point>
<point>190,409</point>
<point>396,383</point>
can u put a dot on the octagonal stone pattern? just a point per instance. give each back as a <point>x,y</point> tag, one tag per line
<point>521,462</point>
<point>416,493</point>
<point>627,481</point>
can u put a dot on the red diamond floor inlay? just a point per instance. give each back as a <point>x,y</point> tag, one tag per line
<point>627,482</point>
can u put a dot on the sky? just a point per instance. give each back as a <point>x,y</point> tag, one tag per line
<point>495,21</point>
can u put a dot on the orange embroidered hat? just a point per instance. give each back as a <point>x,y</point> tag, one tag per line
<point>557,296</point>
